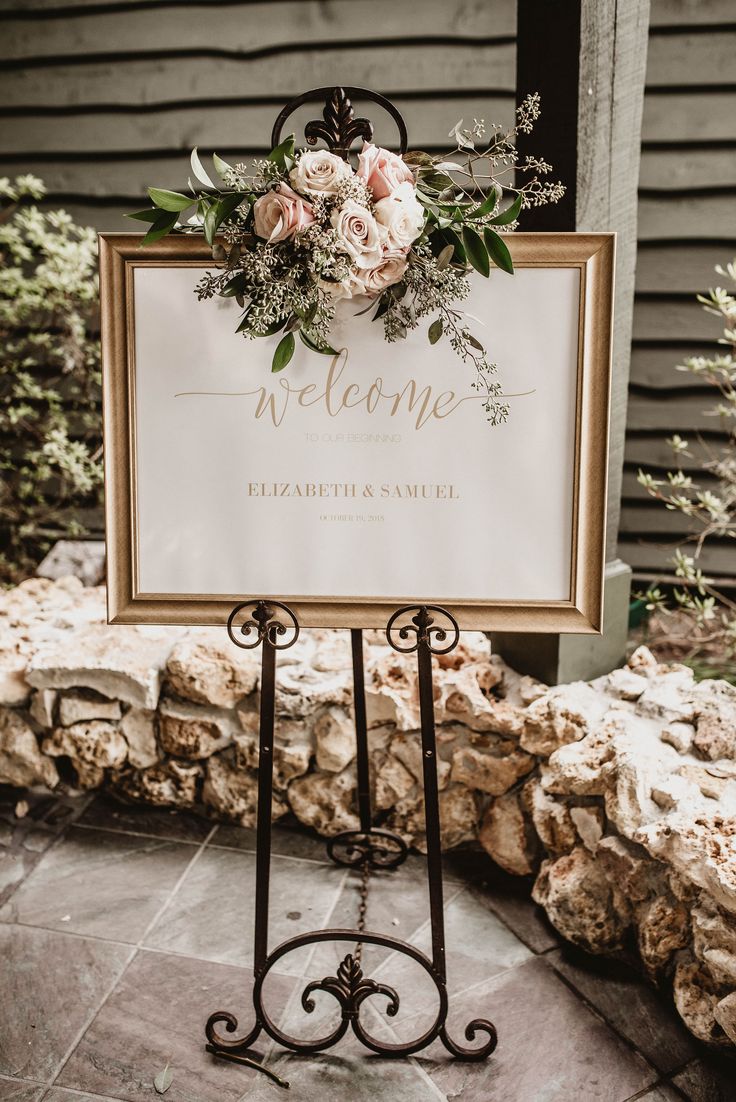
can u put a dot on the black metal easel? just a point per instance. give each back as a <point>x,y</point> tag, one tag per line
<point>421,629</point>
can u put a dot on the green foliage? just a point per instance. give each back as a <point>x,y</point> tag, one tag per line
<point>50,433</point>
<point>705,617</point>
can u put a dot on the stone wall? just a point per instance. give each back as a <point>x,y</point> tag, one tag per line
<point>619,796</point>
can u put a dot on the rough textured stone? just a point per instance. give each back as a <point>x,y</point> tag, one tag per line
<point>701,850</point>
<point>715,712</point>
<point>325,803</point>
<point>696,999</point>
<point>43,707</point>
<point>662,929</point>
<point>491,765</point>
<point>74,708</point>
<point>14,689</point>
<point>563,715</point>
<point>232,791</point>
<point>458,818</point>
<point>91,748</point>
<point>392,781</point>
<point>120,662</point>
<point>187,731</point>
<point>138,726</point>
<point>714,941</point>
<point>21,760</point>
<point>290,759</point>
<point>170,783</point>
<point>506,835</point>
<point>724,1013</point>
<point>551,818</point>
<point>334,733</point>
<point>679,735</point>
<point>207,668</point>
<point>589,823</point>
<point>582,903</point>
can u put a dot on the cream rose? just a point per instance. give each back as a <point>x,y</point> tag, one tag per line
<point>351,286</point>
<point>401,215</point>
<point>390,270</point>
<point>280,214</point>
<point>317,170</point>
<point>358,233</point>
<point>382,171</point>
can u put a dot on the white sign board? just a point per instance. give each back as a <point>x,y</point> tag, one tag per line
<point>349,485</point>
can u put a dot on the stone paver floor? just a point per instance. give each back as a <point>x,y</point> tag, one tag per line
<point>122,929</point>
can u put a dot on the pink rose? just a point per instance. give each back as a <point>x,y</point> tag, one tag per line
<point>382,171</point>
<point>280,214</point>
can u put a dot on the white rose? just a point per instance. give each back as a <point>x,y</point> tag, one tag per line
<point>318,170</point>
<point>358,233</point>
<point>402,216</point>
<point>351,286</point>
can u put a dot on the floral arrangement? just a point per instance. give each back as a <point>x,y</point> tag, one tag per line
<point>399,235</point>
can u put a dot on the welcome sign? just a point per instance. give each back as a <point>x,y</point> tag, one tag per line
<point>347,485</point>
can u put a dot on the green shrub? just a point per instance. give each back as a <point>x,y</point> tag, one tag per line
<point>50,429</point>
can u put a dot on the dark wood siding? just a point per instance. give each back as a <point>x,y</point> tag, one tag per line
<point>687,225</point>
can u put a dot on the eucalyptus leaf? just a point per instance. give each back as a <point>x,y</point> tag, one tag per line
<point>198,170</point>
<point>417,157</point>
<point>170,200</point>
<point>323,349</point>
<point>151,215</point>
<point>160,228</point>
<point>284,352</point>
<point>476,251</point>
<point>222,167</point>
<point>498,250</point>
<point>283,154</point>
<point>435,331</point>
<point>445,256</point>
<point>506,217</point>
<point>163,1080</point>
<point>474,342</point>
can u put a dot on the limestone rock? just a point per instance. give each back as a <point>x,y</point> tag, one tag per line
<point>551,819</point>
<point>169,783</point>
<point>669,696</point>
<point>696,998</point>
<point>724,1013</point>
<point>14,689</point>
<point>582,903</point>
<point>582,768</point>
<point>679,735</point>
<point>506,836</point>
<point>391,693</point>
<point>232,791</point>
<point>491,765</point>
<point>188,731</point>
<point>21,761</point>
<point>700,849</point>
<point>75,708</point>
<point>290,759</point>
<point>715,709</point>
<point>590,823</point>
<point>714,941</point>
<point>407,747</point>
<point>626,684</point>
<point>564,714</point>
<point>42,707</point>
<point>629,867</point>
<point>663,927</point>
<point>91,747</point>
<point>459,697</point>
<point>458,818</point>
<point>82,559</point>
<point>138,727</point>
<point>334,733</point>
<point>121,662</point>
<point>325,801</point>
<point>392,781</point>
<point>207,668</point>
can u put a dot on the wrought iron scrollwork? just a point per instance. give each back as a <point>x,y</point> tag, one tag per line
<point>379,848</point>
<point>338,128</point>
<point>350,987</point>
<point>269,622</point>
<point>423,628</point>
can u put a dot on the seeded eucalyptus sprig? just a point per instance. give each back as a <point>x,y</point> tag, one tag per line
<point>287,274</point>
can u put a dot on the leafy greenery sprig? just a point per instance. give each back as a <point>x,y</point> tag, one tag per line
<point>467,201</point>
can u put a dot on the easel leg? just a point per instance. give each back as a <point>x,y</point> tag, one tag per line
<point>361,731</point>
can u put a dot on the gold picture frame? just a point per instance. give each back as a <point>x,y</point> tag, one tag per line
<point>592,253</point>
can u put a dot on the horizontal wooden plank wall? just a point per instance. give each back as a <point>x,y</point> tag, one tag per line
<point>101,98</point>
<point>687,225</point>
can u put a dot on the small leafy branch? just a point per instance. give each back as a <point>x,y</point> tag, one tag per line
<point>708,613</point>
<point>50,438</point>
<point>304,230</point>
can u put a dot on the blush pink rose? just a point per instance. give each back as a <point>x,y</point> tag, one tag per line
<point>382,170</point>
<point>280,214</point>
